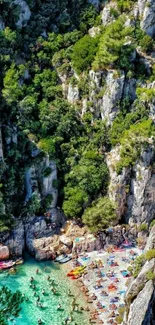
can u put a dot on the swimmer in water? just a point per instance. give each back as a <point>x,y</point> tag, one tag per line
<point>59,307</point>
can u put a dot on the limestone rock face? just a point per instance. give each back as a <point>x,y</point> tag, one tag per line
<point>48,182</point>
<point>25,13</point>
<point>133,189</point>
<point>41,238</point>
<point>110,87</point>
<point>15,240</point>
<point>151,240</point>
<point>73,94</point>
<point>113,93</point>
<point>140,305</point>
<point>140,201</point>
<point>118,183</point>
<point>45,174</point>
<point>147,16</point>
<point>106,15</point>
<point>137,284</point>
<point>140,295</point>
<point>4,253</point>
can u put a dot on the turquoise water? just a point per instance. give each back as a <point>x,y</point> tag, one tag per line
<point>49,314</point>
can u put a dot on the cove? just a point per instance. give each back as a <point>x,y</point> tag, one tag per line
<point>49,314</point>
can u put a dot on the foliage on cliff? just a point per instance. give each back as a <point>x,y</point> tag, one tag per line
<point>37,58</point>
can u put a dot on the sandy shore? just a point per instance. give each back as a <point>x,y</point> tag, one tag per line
<point>105,280</point>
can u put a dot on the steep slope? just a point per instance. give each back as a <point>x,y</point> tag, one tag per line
<point>77,110</point>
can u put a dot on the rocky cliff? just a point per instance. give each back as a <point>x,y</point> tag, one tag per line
<point>140,296</point>
<point>72,134</point>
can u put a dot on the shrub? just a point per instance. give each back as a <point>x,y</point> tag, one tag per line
<point>150,254</point>
<point>47,171</point>
<point>125,5</point>
<point>150,275</point>
<point>145,94</point>
<point>132,143</point>
<point>121,312</point>
<point>143,227</point>
<point>152,223</point>
<point>138,264</point>
<point>146,43</point>
<point>100,215</point>
<point>112,49</point>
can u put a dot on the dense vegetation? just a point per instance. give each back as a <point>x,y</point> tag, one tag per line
<point>34,58</point>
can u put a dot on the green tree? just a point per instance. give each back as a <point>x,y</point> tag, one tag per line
<point>83,53</point>
<point>100,215</point>
<point>114,46</point>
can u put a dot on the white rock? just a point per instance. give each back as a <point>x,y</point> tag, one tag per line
<point>25,13</point>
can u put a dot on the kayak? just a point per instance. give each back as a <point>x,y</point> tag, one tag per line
<point>76,271</point>
<point>65,259</point>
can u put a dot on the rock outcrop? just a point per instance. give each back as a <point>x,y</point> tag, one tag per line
<point>133,189</point>
<point>140,295</point>
<point>147,16</point>
<point>4,253</point>
<point>25,13</point>
<point>44,174</point>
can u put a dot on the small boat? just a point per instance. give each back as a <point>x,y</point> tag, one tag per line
<point>65,259</point>
<point>6,264</point>
<point>19,261</point>
<point>60,257</point>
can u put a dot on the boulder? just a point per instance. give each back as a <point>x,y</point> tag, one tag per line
<point>66,241</point>
<point>4,253</point>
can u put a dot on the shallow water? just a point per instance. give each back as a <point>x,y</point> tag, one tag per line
<point>49,314</point>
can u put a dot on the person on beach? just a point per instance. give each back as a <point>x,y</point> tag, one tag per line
<point>31,279</point>
<point>37,271</point>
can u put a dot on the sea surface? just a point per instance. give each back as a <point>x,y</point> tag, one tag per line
<point>49,314</point>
